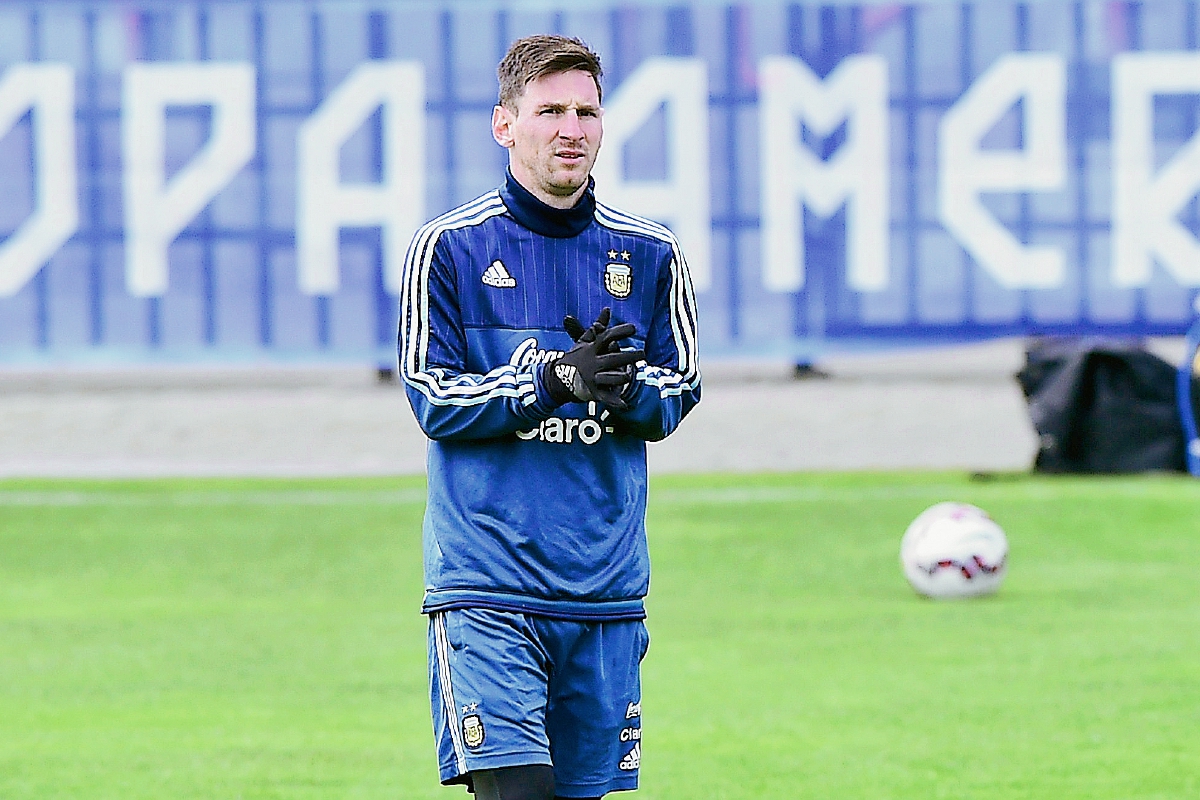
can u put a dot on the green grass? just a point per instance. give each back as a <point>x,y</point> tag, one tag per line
<point>259,639</point>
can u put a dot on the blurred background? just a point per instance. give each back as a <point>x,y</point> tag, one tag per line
<point>206,206</point>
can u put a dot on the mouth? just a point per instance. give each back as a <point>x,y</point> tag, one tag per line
<point>570,156</point>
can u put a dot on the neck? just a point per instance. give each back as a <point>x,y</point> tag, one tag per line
<point>541,217</point>
<point>552,200</point>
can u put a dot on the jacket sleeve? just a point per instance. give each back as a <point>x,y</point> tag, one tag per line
<point>448,401</point>
<point>667,385</point>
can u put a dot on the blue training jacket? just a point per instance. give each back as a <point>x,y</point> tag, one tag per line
<point>535,507</point>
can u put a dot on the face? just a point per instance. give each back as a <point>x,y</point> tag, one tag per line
<point>553,136</point>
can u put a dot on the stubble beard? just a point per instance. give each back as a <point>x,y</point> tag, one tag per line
<point>551,178</point>
<point>561,182</point>
<point>564,188</point>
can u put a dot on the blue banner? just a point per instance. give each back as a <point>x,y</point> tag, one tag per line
<point>234,181</point>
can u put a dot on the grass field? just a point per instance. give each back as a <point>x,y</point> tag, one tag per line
<point>259,639</point>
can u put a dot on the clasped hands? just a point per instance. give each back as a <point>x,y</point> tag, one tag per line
<point>595,368</point>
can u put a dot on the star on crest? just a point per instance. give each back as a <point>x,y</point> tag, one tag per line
<point>624,255</point>
<point>469,707</point>
<point>612,254</point>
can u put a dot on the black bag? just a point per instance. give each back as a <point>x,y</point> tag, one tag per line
<point>1103,407</point>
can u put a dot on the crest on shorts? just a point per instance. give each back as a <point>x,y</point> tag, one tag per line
<point>473,733</point>
<point>618,280</point>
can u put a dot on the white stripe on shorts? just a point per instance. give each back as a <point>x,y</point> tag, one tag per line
<point>442,645</point>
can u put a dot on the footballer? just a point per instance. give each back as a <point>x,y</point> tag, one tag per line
<point>544,338</point>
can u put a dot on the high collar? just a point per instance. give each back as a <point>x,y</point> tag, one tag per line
<point>558,223</point>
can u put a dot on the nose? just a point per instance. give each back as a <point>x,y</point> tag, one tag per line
<point>570,127</point>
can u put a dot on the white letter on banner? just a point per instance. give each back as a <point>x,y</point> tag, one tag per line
<point>967,170</point>
<point>682,201</point>
<point>49,89</point>
<point>397,203</point>
<point>1145,205</point>
<point>857,175</point>
<point>155,211</point>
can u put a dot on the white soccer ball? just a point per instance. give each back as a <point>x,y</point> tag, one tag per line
<point>954,550</point>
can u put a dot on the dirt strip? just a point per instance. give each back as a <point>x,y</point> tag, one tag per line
<point>953,408</point>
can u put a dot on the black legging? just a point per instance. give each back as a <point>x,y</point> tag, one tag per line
<point>529,782</point>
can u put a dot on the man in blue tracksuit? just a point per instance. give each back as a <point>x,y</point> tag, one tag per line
<point>536,562</point>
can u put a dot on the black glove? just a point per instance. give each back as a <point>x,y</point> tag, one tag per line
<point>581,334</point>
<point>595,368</point>
<point>609,396</point>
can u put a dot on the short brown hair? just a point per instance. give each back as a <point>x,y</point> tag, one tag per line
<point>534,56</point>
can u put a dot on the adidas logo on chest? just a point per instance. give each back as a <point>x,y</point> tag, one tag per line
<point>497,275</point>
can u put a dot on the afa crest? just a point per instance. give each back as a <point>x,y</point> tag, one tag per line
<point>473,733</point>
<point>618,280</point>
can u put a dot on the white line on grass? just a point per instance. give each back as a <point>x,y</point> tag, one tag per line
<point>253,497</point>
<point>1033,490</point>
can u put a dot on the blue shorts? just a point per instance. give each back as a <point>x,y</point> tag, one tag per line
<point>509,689</point>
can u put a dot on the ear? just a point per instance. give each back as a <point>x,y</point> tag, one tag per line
<point>502,120</point>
